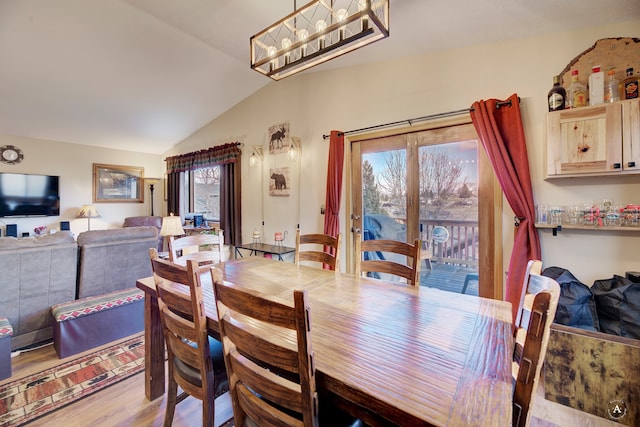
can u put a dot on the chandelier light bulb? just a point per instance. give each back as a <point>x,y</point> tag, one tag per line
<point>341,15</point>
<point>362,5</point>
<point>302,36</point>
<point>321,26</point>
<point>286,45</point>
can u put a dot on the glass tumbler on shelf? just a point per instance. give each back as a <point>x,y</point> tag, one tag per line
<point>542,214</point>
<point>612,216</point>
<point>576,215</point>
<point>591,212</point>
<point>556,215</point>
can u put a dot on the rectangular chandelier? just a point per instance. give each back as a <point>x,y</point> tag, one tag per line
<point>317,32</point>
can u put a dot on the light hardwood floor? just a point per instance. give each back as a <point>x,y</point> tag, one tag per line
<point>124,404</point>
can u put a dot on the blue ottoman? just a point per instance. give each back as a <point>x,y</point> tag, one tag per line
<point>86,323</point>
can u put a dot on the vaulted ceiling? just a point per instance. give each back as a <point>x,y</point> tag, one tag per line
<point>144,74</point>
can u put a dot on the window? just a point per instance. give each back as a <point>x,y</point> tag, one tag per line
<point>205,194</point>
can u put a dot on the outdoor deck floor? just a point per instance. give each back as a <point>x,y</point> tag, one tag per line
<point>449,277</point>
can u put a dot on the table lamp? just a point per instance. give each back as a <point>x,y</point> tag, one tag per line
<point>88,211</point>
<point>171,226</point>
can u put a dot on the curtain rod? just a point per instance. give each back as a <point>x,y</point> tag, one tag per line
<point>418,119</point>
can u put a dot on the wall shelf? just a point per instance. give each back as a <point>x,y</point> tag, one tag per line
<point>557,228</point>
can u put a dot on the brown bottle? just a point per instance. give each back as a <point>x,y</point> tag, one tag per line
<point>557,96</point>
<point>630,85</point>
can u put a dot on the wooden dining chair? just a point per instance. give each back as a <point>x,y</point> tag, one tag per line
<point>203,248</point>
<point>196,360</point>
<point>316,251</point>
<point>384,256</point>
<point>531,339</point>
<point>270,359</point>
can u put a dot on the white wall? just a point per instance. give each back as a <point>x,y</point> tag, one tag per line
<point>362,96</point>
<point>74,164</point>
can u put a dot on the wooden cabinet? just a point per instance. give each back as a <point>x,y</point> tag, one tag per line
<point>590,141</point>
<point>631,135</point>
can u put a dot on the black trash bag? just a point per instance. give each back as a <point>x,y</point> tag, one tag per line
<point>618,303</point>
<point>576,306</point>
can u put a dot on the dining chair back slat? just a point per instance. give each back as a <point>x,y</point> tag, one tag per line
<point>322,248</point>
<point>203,248</point>
<point>410,270</point>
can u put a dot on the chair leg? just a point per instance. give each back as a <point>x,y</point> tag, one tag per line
<point>208,412</point>
<point>467,279</point>
<point>172,399</point>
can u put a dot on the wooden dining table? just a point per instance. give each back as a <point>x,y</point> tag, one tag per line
<point>390,353</point>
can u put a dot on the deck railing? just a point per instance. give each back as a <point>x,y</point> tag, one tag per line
<point>460,248</point>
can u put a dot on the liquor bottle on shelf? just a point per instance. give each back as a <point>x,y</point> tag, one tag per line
<point>557,96</point>
<point>611,93</point>
<point>630,85</point>
<point>596,86</point>
<point>578,95</point>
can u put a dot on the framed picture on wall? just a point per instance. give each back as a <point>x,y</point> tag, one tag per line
<point>279,183</point>
<point>278,138</point>
<point>117,184</point>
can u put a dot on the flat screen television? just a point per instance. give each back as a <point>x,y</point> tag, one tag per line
<point>29,195</point>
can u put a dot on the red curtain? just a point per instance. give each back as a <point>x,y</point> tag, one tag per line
<point>499,126</point>
<point>334,184</point>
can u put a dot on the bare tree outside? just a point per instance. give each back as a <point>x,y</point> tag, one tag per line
<point>439,179</point>
<point>207,192</point>
<point>392,180</point>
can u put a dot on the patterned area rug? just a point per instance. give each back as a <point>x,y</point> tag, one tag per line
<point>32,397</point>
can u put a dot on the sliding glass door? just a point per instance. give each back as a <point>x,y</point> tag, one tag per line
<point>430,184</point>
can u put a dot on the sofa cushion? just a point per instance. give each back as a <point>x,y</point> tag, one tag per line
<point>13,243</point>
<point>112,260</point>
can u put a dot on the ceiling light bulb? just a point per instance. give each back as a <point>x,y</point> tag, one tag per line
<point>321,25</point>
<point>286,45</point>
<point>302,36</point>
<point>271,51</point>
<point>341,15</point>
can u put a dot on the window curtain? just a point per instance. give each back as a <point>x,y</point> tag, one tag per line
<point>228,157</point>
<point>334,184</point>
<point>499,126</point>
<point>173,193</point>
<point>230,207</point>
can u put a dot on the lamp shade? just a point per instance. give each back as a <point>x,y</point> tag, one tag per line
<point>171,226</point>
<point>317,32</point>
<point>88,211</point>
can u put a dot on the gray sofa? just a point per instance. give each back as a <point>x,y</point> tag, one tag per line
<point>40,272</point>
<point>37,272</point>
